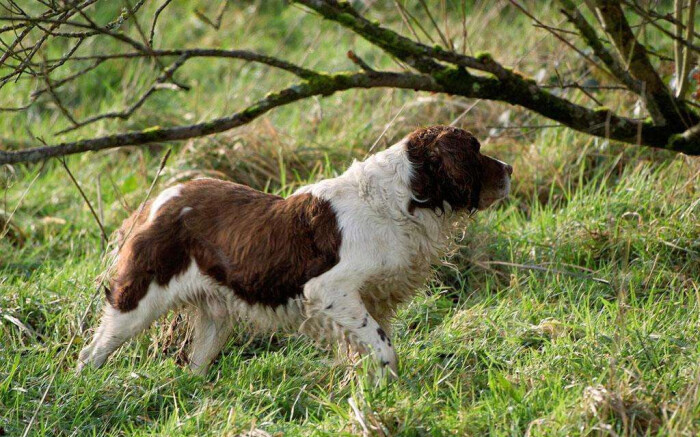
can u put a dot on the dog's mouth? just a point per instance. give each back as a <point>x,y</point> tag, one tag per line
<point>488,202</point>
<point>491,198</point>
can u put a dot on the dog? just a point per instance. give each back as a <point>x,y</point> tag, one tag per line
<point>333,260</point>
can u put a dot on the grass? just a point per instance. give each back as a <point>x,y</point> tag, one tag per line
<point>571,309</point>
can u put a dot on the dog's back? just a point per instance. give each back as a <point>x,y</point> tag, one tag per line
<point>261,246</point>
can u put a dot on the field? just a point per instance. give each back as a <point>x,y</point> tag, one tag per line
<point>572,308</point>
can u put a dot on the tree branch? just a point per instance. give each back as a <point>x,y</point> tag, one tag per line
<point>662,106</point>
<point>321,85</point>
<point>684,71</point>
<point>452,80</point>
<point>245,55</point>
<point>687,139</point>
<point>590,36</point>
<point>438,70</point>
<point>159,84</point>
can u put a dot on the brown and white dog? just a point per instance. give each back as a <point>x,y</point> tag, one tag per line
<point>333,260</point>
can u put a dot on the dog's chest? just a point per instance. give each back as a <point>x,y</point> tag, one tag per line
<point>383,293</point>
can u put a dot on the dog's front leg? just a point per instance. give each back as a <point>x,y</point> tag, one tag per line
<point>336,295</point>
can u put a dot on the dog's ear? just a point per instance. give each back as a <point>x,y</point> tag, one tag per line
<point>426,164</point>
<point>460,168</point>
<point>447,168</point>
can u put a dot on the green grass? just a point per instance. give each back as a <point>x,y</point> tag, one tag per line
<point>571,309</point>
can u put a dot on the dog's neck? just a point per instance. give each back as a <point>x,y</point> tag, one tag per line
<point>384,179</point>
<point>383,182</point>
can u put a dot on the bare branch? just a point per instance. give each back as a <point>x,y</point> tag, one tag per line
<point>590,36</point>
<point>246,55</point>
<point>359,61</point>
<point>662,106</point>
<point>404,17</point>
<point>682,76</point>
<point>155,20</point>
<point>58,83</point>
<point>103,234</point>
<point>600,123</point>
<point>417,55</point>
<point>158,85</point>
<point>650,18</point>
<point>323,85</point>
<point>562,39</point>
<point>437,70</point>
<point>216,23</point>
<point>435,25</point>
<point>57,100</point>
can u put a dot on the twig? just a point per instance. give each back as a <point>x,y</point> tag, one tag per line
<point>126,113</point>
<point>57,100</point>
<point>547,269</point>
<point>435,25</point>
<point>403,11</point>
<point>54,85</point>
<point>163,161</point>
<point>660,102</point>
<point>465,41</point>
<point>386,128</point>
<point>358,416</point>
<point>246,55</point>
<point>591,38</point>
<point>5,228</point>
<point>587,87</point>
<point>684,72</point>
<point>328,85</point>
<point>122,201</point>
<point>216,24</point>
<point>652,17</point>
<point>645,14</point>
<point>554,28</point>
<point>100,206</point>
<point>359,61</point>
<point>405,20</point>
<point>465,112</point>
<point>89,204</point>
<point>155,20</point>
<point>561,38</point>
<point>65,80</point>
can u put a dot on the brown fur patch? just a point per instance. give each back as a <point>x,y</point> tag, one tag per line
<point>263,247</point>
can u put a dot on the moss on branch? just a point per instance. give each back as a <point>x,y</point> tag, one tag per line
<point>505,85</point>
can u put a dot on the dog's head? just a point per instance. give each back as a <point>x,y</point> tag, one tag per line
<point>448,167</point>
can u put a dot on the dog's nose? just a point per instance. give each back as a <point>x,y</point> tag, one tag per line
<point>509,169</point>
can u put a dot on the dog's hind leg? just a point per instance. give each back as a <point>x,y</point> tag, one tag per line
<point>212,330</point>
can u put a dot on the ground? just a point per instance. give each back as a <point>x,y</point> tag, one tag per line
<point>572,308</point>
